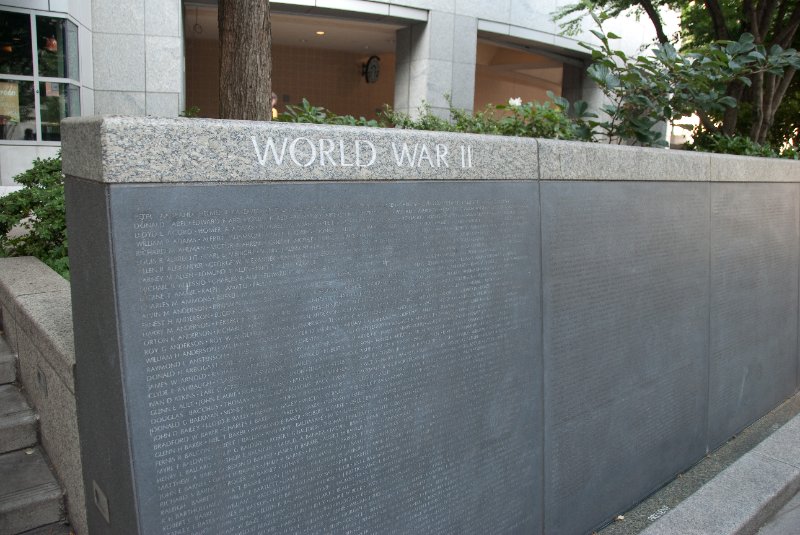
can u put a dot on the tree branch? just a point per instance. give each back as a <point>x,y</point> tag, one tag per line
<point>655,18</point>
<point>758,105</point>
<point>777,98</point>
<point>786,35</point>
<point>768,99</point>
<point>707,123</point>
<point>751,18</point>
<point>766,10</point>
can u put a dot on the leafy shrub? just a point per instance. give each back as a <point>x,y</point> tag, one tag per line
<point>36,212</point>
<point>528,119</point>
<point>644,90</point>
<point>306,113</point>
<point>192,111</point>
<point>705,141</point>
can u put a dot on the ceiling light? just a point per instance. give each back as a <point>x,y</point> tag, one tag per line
<point>320,32</point>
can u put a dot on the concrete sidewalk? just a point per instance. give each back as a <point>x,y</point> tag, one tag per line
<point>786,521</point>
<point>736,489</point>
<point>744,496</point>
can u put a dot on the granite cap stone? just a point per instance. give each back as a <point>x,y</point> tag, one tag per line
<point>158,150</point>
<point>574,160</point>
<point>730,168</point>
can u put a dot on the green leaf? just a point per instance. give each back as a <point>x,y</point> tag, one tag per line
<point>599,35</point>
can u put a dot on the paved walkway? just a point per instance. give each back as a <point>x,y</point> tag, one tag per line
<point>786,521</point>
<point>736,489</point>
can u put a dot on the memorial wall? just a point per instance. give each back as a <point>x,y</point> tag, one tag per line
<point>304,329</point>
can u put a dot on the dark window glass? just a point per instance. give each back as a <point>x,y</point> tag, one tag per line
<point>17,110</point>
<point>56,102</point>
<point>57,47</point>
<point>16,56</point>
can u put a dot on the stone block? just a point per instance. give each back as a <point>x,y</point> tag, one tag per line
<point>465,45</point>
<point>111,16</point>
<point>54,401</point>
<point>403,46</point>
<point>463,85</point>
<point>8,363</point>
<point>143,150</point>
<point>754,282</point>
<point>9,327</point>
<point>119,62</point>
<point>730,168</point>
<point>533,14</point>
<point>402,77</point>
<point>164,64</point>
<point>441,37</point>
<point>572,160</point>
<point>163,17</point>
<point>29,495</point>
<point>431,80</point>
<point>448,6</point>
<point>46,321</point>
<point>163,104</point>
<point>26,275</point>
<point>119,102</point>
<point>625,323</point>
<point>17,420</point>
<point>87,101</point>
<point>500,10</point>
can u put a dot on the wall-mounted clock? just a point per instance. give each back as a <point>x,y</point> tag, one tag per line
<point>372,69</point>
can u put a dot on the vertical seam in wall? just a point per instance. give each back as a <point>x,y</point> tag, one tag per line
<point>144,44</point>
<point>708,323</point>
<point>797,310</point>
<point>542,382</point>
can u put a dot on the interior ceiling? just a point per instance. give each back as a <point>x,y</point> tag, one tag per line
<point>514,64</point>
<point>200,22</point>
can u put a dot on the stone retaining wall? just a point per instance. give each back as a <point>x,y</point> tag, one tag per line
<point>37,321</point>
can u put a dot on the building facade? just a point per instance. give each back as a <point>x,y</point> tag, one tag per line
<point>61,58</point>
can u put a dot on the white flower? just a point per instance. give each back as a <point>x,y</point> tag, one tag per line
<point>515,101</point>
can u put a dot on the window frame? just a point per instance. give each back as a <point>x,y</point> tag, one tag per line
<point>37,80</point>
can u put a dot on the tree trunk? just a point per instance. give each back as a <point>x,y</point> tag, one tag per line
<point>245,60</point>
<point>717,19</point>
<point>778,92</point>
<point>731,115</point>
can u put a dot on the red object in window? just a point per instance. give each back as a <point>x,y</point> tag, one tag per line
<point>50,44</point>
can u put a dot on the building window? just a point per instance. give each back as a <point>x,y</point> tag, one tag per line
<point>39,76</point>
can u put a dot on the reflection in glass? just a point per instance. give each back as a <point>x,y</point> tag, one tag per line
<point>58,47</point>
<point>57,101</point>
<point>17,110</point>
<point>16,56</point>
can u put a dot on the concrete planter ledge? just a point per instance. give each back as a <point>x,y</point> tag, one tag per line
<point>37,321</point>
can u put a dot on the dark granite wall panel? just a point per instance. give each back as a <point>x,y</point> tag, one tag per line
<point>625,311</point>
<point>102,409</point>
<point>332,358</point>
<point>754,293</point>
